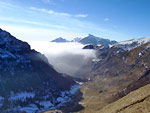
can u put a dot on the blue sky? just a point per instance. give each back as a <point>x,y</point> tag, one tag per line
<point>45,20</point>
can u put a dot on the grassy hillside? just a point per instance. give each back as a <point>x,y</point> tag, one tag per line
<point>135,102</point>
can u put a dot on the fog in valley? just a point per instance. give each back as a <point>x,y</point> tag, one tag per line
<point>66,58</point>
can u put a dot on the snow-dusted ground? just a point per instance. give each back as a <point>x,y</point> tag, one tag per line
<point>21,96</point>
<point>66,95</point>
<point>96,60</point>
<point>139,41</point>
<point>32,108</point>
<point>47,105</point>
<point>131,44</point>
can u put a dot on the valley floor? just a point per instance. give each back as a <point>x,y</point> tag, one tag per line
<point>100,92</point>
<point>96,94</point>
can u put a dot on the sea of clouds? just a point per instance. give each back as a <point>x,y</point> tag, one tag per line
<point>66,58</point>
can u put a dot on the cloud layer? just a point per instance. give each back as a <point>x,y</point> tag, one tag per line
<point>66,58</point>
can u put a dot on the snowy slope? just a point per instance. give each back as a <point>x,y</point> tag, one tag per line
<point>131,44</point>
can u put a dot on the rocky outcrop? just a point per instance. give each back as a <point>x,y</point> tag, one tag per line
<point>90,47</point>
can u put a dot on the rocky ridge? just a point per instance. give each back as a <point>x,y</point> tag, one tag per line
<point>27,81</point>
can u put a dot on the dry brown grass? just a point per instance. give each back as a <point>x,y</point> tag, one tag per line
<point>135,102</point>
<point>93,100</point>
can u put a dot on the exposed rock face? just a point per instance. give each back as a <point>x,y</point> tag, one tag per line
<point>90,47</point>
<point>135,102</point>
<point>26,77</point>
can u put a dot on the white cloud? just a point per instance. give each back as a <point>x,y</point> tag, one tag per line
<point>33,23</point>
<point>52,12</point>
<point>7,5</point>
<point>81,15</point>
<point>106,19</point>
<point>65,57</point>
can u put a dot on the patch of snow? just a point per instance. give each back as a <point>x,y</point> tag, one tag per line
<point>60,99</point>
<point>21,96</point>
<point>80,83</point>
<point>96,60</point>
<point>66,95</point>
<point>110,45</point>
<point>81,103</point>
<point>117,51</point>
<point>46,104</point>
<point>144,51</point>
<point>28,109</point>
<point>140,54</point>
<point>74,89</point>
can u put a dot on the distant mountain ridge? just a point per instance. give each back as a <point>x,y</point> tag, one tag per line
<point>131,44</point>
<point>90,39</point>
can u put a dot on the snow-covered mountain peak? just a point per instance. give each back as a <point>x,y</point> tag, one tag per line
<point>139,41</point>
<point>131,44</point>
